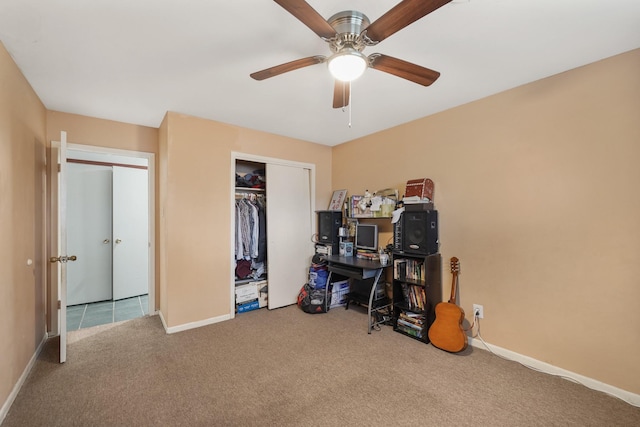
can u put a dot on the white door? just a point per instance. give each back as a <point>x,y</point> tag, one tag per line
<point>60,258</point>
<point>289,246</point>
<point>130,232</point>
<point>89,233</point>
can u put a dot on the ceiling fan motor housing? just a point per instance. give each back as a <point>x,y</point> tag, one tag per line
<point>348,25</point>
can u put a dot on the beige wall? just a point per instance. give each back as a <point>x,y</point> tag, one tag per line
<point>537,192</point>
<point>196,252</point>
<point>105,134</point>
<point>101,133</point>
<point>22,199</point>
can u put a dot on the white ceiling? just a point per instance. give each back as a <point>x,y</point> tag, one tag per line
<point>134,60</point>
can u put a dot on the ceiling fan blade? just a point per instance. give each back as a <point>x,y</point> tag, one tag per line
<point>340,94</point>
<point>286,67</point>
<point>401,15</point>
<point>415,73</point>
<point>308,16</point>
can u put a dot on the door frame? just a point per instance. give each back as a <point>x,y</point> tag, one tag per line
<point>235,155</point>
<point>150,157</point>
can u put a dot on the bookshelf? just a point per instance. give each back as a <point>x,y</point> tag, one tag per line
<point>417,288</point>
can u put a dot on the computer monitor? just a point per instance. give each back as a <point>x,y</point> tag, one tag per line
<point>367,237</point>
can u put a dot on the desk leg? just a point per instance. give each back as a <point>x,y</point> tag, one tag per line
<point>371,295</point>
<point>326,293</point>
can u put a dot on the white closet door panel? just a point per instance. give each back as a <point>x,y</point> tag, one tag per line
<point>289,249</point>
<point>130,232</point>
<point>89,233</point>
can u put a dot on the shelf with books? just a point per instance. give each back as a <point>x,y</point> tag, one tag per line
<point>411,310</point>
<point>410,323</point>
<point>414,297</point>
<point>417,288</point>
<point>410,270</point>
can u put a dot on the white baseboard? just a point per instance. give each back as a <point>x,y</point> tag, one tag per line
<point>192,325</point>
<point>16,388</point>
<point>631,398</point>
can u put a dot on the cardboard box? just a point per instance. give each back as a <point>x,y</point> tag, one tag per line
<point>346,249</point>
<point>263,293</point>
<point>339,293</point>
<point>246,292</point>
<point>248,306</point>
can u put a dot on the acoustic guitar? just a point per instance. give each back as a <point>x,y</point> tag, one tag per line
<point>446,333</point>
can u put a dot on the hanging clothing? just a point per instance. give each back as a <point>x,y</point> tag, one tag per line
<point>244,229</point>
<point>262,232</point>
<point>250,232</point>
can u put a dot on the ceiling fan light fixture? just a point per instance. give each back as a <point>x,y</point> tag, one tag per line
<point>347,65</point>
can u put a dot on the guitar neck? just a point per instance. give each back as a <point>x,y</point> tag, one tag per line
<point>452,300</point>
<point>455,266</point>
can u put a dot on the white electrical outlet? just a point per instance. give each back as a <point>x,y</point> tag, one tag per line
<point>479,310</point>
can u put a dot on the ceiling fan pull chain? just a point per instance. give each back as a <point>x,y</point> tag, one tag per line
<point>344,98</point>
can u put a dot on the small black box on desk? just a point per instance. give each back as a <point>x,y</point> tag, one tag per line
<point>415,207</point>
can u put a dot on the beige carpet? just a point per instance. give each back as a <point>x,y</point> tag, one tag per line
<point>288,368</point>
<point>77,335</point>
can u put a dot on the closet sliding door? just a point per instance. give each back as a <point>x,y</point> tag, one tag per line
<point>289,231</point>
<point>130,232</point>
<point>89,189</point>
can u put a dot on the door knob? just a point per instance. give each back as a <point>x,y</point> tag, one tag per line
<point>118,241</point>
<point>105,241</point>
<point>63,258</point>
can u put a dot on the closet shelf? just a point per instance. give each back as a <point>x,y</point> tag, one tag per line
<point>250,280</point>
<point>249,189</point>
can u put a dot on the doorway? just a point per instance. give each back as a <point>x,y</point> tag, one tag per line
<point>111,209</point>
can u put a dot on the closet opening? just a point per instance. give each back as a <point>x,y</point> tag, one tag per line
<point>271,231</point>
<point>251,285</point>
<point>110,228</point>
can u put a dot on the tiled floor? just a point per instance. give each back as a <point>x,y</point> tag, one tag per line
<point>100,313</point>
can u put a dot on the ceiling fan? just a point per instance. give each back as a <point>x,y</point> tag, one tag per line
<point>347,34</point>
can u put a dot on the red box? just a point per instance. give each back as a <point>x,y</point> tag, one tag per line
<point>422,188</point>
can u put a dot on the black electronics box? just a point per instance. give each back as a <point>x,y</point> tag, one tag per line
<point>328,224</point>
<point>413,207</point>
<point>416,232</point>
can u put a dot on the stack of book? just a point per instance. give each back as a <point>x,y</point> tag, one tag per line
<point>411,323</point>
<point>370,255</point>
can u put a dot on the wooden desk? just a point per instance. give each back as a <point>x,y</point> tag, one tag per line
<point>356,268</point>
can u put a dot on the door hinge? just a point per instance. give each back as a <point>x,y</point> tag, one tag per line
<point>59,304</point>
<point>59,167</point>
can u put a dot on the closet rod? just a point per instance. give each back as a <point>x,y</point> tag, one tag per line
<point>251,196</point>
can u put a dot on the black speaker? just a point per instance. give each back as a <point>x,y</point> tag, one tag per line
<point>328,224</point>
<point>420,232</point>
